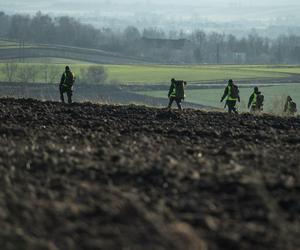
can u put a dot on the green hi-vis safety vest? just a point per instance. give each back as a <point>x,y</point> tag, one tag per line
<point>69,80</point>
<point>173,93</point>
<point>229,97</point>
<point>177,90</point>
<point>254,99</point>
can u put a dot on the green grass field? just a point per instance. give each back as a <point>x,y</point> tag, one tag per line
<point>162,73</point>
<point>274,96</point>
<point>55,61</point>
<point>144,74</point>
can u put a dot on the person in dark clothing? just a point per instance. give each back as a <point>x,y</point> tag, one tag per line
<point>176,93</point>
<point>66,85</point>
<point>231,93</point>
<point>256,101</point>
<point>290,107</point>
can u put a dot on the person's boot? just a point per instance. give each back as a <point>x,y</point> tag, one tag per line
<point>179,107</point>
<point>69,100</point>
<point>62,99</point>
<point>235,110</point>
<point>169,106</point>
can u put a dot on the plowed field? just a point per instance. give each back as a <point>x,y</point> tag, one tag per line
<point>89,176</point>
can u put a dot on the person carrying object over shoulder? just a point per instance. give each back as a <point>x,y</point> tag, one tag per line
<point>231,93</point>
<point>290,107</point>
<point>176,93</point>
<point>66,85</point>
<point>256,101</point>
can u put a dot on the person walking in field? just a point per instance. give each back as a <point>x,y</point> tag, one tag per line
<point>66,85</point>
<point>256,101</point>
<point>176,93</point>
<point>290,107</point>
<point>231,93</point>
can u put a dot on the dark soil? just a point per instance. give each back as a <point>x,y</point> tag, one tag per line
<point>128,177</point>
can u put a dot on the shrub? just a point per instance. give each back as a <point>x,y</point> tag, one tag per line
<point>94,75</point>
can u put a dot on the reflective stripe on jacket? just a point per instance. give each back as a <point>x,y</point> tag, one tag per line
<point>177,90</point>
<point>67,79</point>
<point>229,97</point>
<point>254,99</point>
<point>173,92</point>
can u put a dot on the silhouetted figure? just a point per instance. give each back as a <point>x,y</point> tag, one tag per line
<point>256,101</point>
<point>231,93</point>
<point>66,85</point>
<point>176,92</point>
<point>290,107</point>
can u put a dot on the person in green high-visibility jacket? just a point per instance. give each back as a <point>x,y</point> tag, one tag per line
<point>66,85</point>
<point>290,107</point>
<point>176,93</point>
<point>256,101</point>
<point>231,93</point>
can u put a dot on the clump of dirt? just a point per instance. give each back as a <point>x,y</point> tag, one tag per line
<point>91,176</point>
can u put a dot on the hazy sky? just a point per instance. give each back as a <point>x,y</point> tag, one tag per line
<point>44,4</point>
<point>177,2</point>
<point>206,2</point>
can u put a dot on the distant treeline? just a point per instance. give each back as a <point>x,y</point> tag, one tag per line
<point>153,43</point>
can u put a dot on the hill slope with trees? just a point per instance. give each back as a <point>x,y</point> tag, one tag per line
<point>153,44</point>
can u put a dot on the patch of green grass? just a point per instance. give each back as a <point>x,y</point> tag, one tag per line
<point>49,68</point>
<point>53,60</point>
<point>287,69</point>
<point>198,74</point>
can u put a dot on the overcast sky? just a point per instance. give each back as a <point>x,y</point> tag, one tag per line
<point>208,2</point>
<point>44,4</point>
<point>180,2</point>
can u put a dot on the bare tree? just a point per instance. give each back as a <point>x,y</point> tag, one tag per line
<point>10,70</point>
<point>54,74</point>
<point>32,72</point>
<point>94,75</point>
<point>22,74</point>
<point>45,71</point>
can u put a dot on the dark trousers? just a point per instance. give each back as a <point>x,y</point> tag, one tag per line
<point>231,106</point>
<point>177,100</point>
<point>254,109</point>
<point>68,90</point>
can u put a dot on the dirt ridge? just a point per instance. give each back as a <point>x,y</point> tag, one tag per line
<point>90,176</point>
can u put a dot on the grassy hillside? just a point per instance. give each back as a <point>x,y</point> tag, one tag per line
<point>130,69</point>
<point>13,50</point>
<point>144,74</point>
<point>191,73</point>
